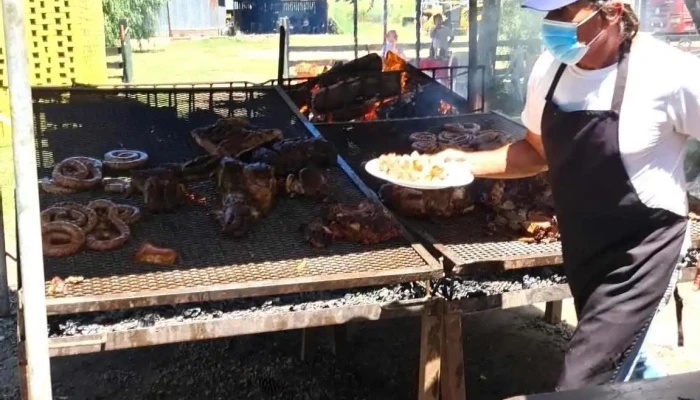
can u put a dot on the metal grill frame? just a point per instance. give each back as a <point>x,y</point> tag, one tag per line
<point>75,304</point>
<point>500,255</point>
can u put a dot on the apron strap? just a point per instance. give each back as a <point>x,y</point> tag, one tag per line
<point>555,82</point>
<point>620,82</point>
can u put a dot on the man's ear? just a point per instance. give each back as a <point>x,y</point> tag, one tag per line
<point>613,11</point>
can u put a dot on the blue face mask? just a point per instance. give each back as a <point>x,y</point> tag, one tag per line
<point>561,39</point>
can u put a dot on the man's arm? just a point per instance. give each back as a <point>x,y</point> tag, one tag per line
<point>516,160</point>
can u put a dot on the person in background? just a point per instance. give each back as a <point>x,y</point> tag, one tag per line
<point>391,44</point>
<point>441,37</point>
<point>608,113</point>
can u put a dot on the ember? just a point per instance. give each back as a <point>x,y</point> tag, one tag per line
<point>306,70</point>
<point>445,108</point>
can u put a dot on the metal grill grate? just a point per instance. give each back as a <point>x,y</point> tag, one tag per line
<point>464,240</point>
<point>90,122</point>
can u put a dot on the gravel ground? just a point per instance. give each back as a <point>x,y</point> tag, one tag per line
<point>507,352</point>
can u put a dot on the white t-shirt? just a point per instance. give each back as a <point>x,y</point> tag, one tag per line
<point>661,108</point>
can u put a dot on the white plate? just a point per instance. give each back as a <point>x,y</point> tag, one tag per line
<point>457,175</point>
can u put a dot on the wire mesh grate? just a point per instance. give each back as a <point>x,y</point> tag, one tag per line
<point>90,122</point>
<point>467,238</point>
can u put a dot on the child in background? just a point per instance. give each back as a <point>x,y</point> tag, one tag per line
<point>441,36</point>
<point>391,44</point>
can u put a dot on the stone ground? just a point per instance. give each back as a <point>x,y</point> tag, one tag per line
<point>506,352</point>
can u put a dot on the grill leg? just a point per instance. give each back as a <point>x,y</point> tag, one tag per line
<point>430,352</point>
<point>552,312</point>
<point>452,368</point>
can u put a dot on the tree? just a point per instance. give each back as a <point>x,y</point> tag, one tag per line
<point>140,14</point>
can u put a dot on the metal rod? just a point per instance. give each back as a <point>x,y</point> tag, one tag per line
<point>4,282</point>
<point>354,24</point>
<point>385,18</point>
<point>472,96</point>
<point>418,25</point>
<point>280,61</point>
<point>33,296</point>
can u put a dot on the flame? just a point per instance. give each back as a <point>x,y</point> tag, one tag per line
<point>371,113</point>
<point>393,62</point>
<point>303,109</point>
<point>445,108</point>
<point>196,198</point>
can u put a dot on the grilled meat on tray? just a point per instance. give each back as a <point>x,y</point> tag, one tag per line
<point>234,136</point>
<point>311,182</point>
<point>521,205</point>
<point>289,156</point>
<point>162,187</point>
<point>427,203</point>
<point>247,193</point>
<point>364,222</point>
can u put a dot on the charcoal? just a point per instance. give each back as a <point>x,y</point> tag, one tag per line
<point>123,320</point>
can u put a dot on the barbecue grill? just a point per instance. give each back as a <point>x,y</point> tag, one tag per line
<point>273,259</point>
<point>465,240</point>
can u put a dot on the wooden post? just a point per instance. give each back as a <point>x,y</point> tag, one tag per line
<point>4,282</point>
<point>283,49</point>
<point>33,296</point>
<point>473,96</point>
<point>452,369</point>
<point>385,19</point>
<point>552,312</point>
<point>354,24</point>
<point>430,355</point>
<point>127,59</point>
<point>418,28</point>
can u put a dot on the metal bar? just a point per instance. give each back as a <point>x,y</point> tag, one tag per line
<point>33,295</point>
<point>71,305</point>
<point>430,357</point>
<point>204,330</point>
<point>473,55</point>
<point>4,281</point>
<point>280,60</point>
<point>354,24</point>
<point>418,27</point>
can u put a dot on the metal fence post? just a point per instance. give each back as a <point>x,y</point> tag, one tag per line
<point>127,59</point>
<point>33,296</point>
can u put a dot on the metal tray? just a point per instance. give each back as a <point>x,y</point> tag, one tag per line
<point>273,259</point>
<point>465,240</point>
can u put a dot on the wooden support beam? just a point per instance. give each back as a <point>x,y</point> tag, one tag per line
<point>552,312</point>
<point>430,355</point>
<point>452,369</point>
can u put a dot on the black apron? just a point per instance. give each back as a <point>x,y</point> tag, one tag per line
<point>619,254</point>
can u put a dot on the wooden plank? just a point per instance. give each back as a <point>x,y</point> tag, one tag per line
<point>552,312</point>
<point>452,366</point>
<point>678,387</point>
<point>430,354</point>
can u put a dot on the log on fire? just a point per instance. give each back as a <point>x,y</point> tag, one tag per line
<point>355,91</point>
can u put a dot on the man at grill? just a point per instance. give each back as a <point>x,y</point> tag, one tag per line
<point>608,113</point>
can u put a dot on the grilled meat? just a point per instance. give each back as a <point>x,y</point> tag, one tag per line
<point>289,156</point>
<point>233,137</point>
<point>161,187</point>
<point>235,214</point>
<point>521,205</point>
<point>248,192</point>
<point>310,182</point>
<point>427,203</point>
<point>364,222</point>
<point>261,187</point>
